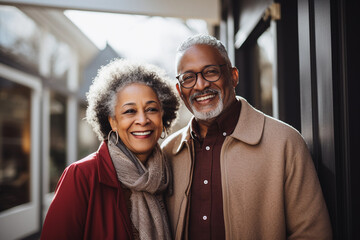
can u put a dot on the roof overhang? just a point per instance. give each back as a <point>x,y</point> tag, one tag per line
<point>208,10</point>
<point>60,26</point>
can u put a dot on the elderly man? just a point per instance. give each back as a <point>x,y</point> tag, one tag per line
<point>238,173</point>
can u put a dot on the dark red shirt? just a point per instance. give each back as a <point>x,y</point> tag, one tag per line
<point>206,220</point>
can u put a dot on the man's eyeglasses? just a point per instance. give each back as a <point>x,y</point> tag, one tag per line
<point>210,73</point>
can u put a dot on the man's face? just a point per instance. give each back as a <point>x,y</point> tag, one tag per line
<point>206,100</point>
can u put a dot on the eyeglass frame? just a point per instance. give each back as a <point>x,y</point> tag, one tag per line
<point>201,72</point>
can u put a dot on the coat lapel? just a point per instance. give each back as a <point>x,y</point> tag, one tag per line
<point>107,176</point>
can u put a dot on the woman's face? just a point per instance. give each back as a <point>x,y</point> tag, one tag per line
<point>138,119</point>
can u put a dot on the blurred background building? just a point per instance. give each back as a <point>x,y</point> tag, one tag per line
<point>296,59</point>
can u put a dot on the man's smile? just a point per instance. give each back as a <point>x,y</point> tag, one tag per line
<point>203,98</point>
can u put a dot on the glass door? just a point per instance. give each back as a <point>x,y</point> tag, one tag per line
<point>19,153</point>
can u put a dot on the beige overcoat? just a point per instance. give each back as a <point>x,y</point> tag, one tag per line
<point>269,184</point>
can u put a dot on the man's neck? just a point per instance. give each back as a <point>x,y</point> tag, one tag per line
<point>204,126</point>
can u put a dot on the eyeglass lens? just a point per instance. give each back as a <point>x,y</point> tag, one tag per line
<point>210,73</point>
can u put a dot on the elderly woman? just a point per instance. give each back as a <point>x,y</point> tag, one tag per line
<point>117,192</point>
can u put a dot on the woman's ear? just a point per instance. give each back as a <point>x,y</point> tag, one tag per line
<point>112,122</point>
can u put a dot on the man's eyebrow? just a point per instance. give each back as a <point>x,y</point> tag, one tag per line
<point>191,71</point>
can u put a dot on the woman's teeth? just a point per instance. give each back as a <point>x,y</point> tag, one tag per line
<point>141,133</point>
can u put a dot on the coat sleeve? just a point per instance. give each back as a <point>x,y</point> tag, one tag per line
<point>306,212</point>
<point>67,213</point>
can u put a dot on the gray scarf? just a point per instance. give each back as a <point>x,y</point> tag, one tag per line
<point>147,184</point>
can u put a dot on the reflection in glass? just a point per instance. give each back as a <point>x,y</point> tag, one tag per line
<point>266,59</point>
<point>57,138</point>
<point>19,36</point>
<point>59,55</point>
<point>15,144</point>
<point>87,140</point>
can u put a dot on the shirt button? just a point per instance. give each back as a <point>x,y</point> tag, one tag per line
<point>224,134</point>
<point>207,148</point>
<point>206,181</point>
<point>204,217</point>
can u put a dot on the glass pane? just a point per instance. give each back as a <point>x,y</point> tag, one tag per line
<point>15,144</point>
<point>59,60</point>
<point>57,138</point>
<point>19,36</point>
<point>266,59</point>
<point>88,141</point>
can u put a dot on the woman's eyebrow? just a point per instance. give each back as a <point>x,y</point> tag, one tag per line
<point>128,104</point>
<point>134,104</point>
<point>151,101</point>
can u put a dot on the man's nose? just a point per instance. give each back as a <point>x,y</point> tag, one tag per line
<point>201,83</point>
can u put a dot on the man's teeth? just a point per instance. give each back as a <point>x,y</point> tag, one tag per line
<point>205,97</point>
<point>141,133</point>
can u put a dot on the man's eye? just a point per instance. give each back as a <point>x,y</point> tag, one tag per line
<point>188,77</point>
<point>211,71</point>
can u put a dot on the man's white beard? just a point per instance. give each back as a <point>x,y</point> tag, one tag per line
<point>211,114</point>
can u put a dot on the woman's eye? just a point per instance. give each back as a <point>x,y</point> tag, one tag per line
<point>129,111</point>
<point>152,110</point>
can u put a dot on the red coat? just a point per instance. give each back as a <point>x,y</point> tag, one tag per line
<point>89,202</point>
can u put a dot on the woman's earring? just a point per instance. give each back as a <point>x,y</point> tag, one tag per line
<point>117,136</point>
<point>163,132</point>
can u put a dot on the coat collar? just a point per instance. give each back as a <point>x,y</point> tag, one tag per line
<point>107,173</point>
<point>185,137</point>
<point>249,127</point>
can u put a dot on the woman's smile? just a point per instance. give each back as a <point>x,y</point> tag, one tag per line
<point>143,134</point>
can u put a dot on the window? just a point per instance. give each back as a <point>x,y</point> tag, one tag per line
<point>15,144</point>
<point>87,140</point>
<point>19,36</point>
<point>59,59</point>
<point>58,119</point>
<point>265,44</point>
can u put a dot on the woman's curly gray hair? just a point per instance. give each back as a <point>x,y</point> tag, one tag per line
<point>114,76</point>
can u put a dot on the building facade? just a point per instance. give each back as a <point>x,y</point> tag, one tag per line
<point>42,57</point>
<point>296,60</point>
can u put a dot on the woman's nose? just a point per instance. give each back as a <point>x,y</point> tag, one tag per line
<point>142,118</point>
